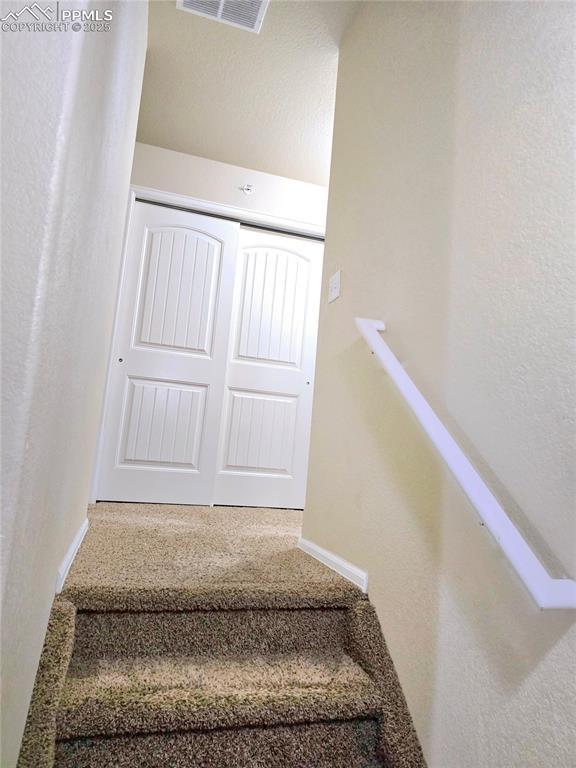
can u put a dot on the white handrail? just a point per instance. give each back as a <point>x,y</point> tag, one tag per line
<point>547,591</point>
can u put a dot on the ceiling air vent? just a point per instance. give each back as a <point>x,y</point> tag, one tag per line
<point>246,14</point>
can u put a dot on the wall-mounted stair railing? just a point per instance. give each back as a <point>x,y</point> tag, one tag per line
<point>547,591</point>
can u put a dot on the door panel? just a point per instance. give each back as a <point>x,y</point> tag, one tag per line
<point>178,291</point>
<point>260,432</point>
<point>272,306</point>
<point>166,383</point>
<point>163,423</point>
<point>265,434</point>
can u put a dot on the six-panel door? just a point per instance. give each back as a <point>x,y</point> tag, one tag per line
<point>168,367</point>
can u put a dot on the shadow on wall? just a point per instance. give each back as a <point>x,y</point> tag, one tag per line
<point>493,606</point>
<point>398,451</point>
<point>492,601</point>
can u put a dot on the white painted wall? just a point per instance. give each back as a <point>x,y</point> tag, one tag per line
<point>70,105</point>
<point>272,196</point>
<point>451,215</point>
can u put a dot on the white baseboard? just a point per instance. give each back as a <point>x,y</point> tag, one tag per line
<point>338,564</point>
<point>70,555</point>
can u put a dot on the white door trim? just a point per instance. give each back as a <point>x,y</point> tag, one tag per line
<point>243,215</point>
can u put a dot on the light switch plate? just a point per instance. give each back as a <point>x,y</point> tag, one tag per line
<point>334,286</point>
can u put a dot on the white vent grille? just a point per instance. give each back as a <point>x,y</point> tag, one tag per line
<point>246,14</point>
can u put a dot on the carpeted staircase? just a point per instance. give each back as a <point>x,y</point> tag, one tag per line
<point>242,652</point>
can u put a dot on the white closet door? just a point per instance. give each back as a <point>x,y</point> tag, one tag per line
<point>264,441</point>
<point>166,384</point>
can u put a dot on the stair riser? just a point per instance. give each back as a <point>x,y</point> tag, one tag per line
<point>345,744</point>
<point>230,632</point>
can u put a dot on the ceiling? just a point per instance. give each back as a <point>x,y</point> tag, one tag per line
<point>261,101</point>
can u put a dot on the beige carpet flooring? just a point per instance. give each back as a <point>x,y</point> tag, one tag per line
<point>190,637</point>
<point>157,556</point>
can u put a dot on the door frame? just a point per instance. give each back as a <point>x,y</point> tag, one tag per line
<point>259,219</point>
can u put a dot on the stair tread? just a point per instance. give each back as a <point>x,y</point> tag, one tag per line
<point>120,695</point>
<point>332,592</point>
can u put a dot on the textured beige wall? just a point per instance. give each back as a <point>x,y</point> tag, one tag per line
<point>69,107</point>
<point>261,101</point>
<point>451,214</point>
